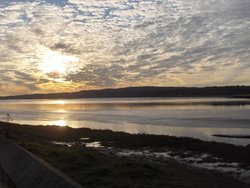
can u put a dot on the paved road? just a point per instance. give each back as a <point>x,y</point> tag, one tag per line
<point>28,171</point>
<point>5,182</point>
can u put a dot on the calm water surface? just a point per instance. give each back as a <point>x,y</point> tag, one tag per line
<point>192,117</point>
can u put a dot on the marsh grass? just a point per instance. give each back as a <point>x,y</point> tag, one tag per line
<point>109,138</point>
<point>93,169</point>
<point>96,170</point>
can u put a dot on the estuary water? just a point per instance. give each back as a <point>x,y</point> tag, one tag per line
<point>190,117</point>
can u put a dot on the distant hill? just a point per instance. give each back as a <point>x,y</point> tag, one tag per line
<point>129,92</point>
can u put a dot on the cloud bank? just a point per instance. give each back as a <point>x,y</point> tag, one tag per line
<point>123,43</point>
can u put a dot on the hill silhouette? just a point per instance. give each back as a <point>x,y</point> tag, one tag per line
<point>148,91</point>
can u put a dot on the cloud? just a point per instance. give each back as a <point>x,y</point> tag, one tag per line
<point>125,42</point>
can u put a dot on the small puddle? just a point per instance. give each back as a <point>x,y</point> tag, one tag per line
<point>95,144</point>
<point>204,161</point>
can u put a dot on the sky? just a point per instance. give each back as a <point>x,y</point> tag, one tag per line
<point>70,45</point>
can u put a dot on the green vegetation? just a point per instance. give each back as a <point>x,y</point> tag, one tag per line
<point>109,138</point>
<point>93,169</point>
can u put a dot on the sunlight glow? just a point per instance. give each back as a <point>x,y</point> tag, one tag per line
<point>55,62</point>
<point>59,102</point>
<point>61,123</point>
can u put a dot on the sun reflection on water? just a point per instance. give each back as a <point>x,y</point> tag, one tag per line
<point>61,123</point>
<point>59,102</point>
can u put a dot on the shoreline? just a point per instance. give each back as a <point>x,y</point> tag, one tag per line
<point>145,91</point>
<point>225,159</point>
<point>120,139</point>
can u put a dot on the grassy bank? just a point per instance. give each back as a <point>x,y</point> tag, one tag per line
<point>130,141</point>
<point>94,169</point>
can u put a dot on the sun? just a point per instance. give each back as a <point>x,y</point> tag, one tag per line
<point>56,62</point>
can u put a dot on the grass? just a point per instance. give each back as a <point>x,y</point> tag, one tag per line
<point>109,138</point>
<point>93,169</point>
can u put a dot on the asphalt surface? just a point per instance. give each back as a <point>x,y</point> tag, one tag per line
<point>5,181</point>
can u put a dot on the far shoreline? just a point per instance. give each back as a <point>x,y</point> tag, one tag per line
<point>144,91</point>
<point>3,98</point>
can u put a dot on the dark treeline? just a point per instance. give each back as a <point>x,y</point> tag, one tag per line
<point>149,91</point>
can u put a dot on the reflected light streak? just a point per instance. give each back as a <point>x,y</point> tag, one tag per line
<point>59,102</point>
<point>61,123</point>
